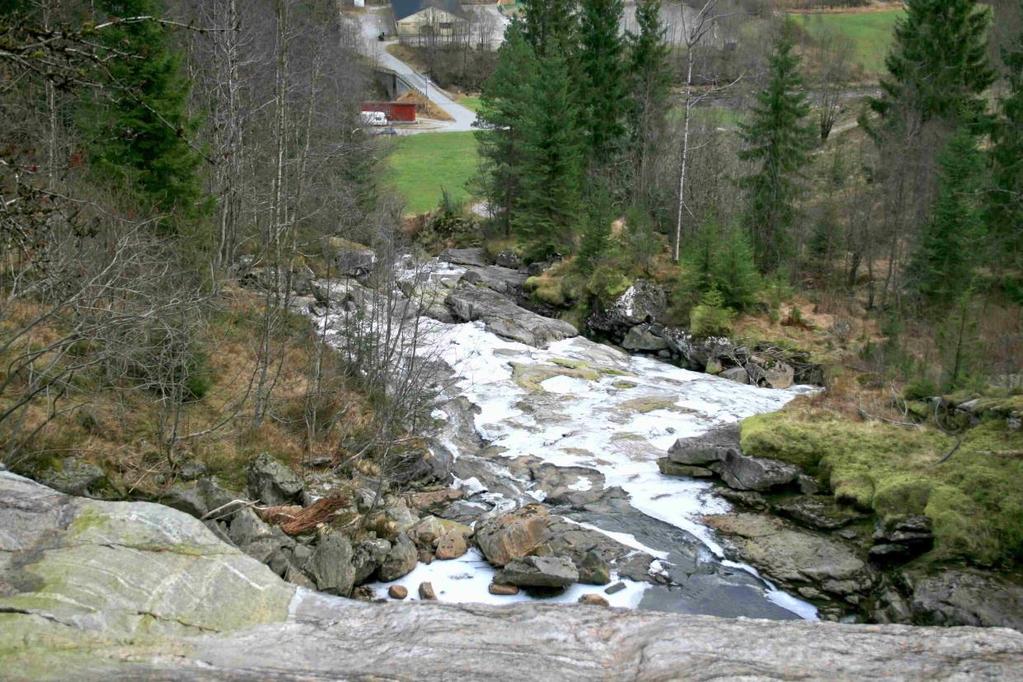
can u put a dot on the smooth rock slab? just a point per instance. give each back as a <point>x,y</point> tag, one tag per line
<point>218,614</point>
<point>503,317</point>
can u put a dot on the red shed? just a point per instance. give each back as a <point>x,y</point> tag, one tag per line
<point>395,111</point>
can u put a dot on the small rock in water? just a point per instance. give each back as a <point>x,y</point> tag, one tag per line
<point>426,592</point>
<point>617,587</point>
<point>593,600</point>
<point>451,546</point>
<point>397,591</point>
<point>503,590</point>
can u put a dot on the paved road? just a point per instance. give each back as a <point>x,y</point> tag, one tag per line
<point>373,22</point>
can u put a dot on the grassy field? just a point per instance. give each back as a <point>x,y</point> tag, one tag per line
<point>871,32</point>
<point>470,102</point>
<point>423,165</point>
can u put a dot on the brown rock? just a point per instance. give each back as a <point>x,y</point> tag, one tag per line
<point>514,535</point>
<point>425,556</point>
<point>364,593</point>
<point>397,592</point>
<point>593,600</point>
<point>451,546</point>
<point>428,532</point>
<point>426,592</point>
<point>503,590</point>
<point>433,501</point>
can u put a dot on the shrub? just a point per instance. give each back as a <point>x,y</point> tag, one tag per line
<point>711,317</point>
<point>607,283</point>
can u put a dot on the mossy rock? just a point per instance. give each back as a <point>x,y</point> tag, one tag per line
<point>530,377</point>
<point>974,497</point>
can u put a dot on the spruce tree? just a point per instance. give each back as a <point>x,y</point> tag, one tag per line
<point>548,213</point>
<point>943,263</point>
<point>1005,207</point>
<point>138,132</point>
<point>602,60</point>
<point>649,84</point>
<point>777,140</point>
<point>938,66</point>
<point>550,26</point>
<point>502,110</point>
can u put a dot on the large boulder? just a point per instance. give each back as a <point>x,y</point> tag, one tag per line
<point>740,472</point>
<point>331,564</point>
<point>901,538</point>
<point>501,280</point>
<point>513,535</point>
<point>794,557</point>
<point>272,481</point>
<point>965,597</point>
<point>351,259</point>
<point>503,317</point>
<point>99,591</point>
<point>367,556</point>
<point>643,338</point>
<point>73,476</point>
<point>400,560</point>
<point>643,302</point>
<point>537,571</point>
<point>822,512</point>
<point>474,256</point>
<point>706,448</point>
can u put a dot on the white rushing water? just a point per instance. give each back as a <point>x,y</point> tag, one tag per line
<point>592,406</point>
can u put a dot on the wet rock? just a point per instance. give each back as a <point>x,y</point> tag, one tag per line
<point>737,374</point>
<point>401,559</point>
<point>818,511</point>
<point>513,535</point>
<point>643,302</point>
<point>706,448</point>
<point>669,468</point>
<point>900,539</point>
<point>792,556</point>
<point>502,280</point>
<point>272,481</point>
<point>397,592</point>
<point>508,259</point>
<point>472,257</point>
<point>535,571</point>
<point>73,476</point>
<point>434,501</point>
<point>501,316</point>
<point>754,473</point>
<point>966,597</point>
<point>503,590</point>
<point>391,521</point>
<point>642,338</point>
<point>367,556</point>
<point>745,498</point>
<point>614,589</point>
<point>331,564</point>
<point>426,592</point>
<point>351,259</point>
<point>593,600</point>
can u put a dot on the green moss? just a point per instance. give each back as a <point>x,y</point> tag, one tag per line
<point>530,377</point>
<point>570,363</point>
<point>974,498</point>
<point>624,385</point>
<point>650,404</point>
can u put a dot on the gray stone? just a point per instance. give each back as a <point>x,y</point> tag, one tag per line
<point>247,528</point>
<point>367,556</point>
<point>115,615</point>
<point>641,338</point>
<point>352,260</point>
<point>536,571</point>
<point>272,481</point>
<point>331,564</point>
<point>501,316</point>
<point>966,597</point>
<point>669,468</point>
<point>400,560</point>
<point>707,448</point>
<point>818,511</point>
<point>501,280</point>
<point>642,303</point>
<point>508,259</point>
<point>754,473</point>
<point>186,497</point>
<point>900,539</point>
<point>472,256</point>
<point>779,375</point>
<point>737,374</point>
<point>73,476</point>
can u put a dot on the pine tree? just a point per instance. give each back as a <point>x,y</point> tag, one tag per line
<point>502,110</point>
<point>1004,215</point>
<point>649,77</point>
<point>547,216</point>
<point>938,66</point>
<point>777,140</point>
<point>139,133</point>
<point>734,271</point>
<point>943,264</point>
<point>602,59</point>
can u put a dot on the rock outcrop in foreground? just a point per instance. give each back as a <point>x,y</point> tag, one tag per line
<point>105,590</point>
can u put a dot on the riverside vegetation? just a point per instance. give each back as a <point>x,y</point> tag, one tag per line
<point>213,301</point>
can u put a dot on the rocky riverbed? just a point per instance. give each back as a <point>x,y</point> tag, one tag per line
<point>96,590</point>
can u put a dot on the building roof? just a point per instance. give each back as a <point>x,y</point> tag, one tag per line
<point>406,8</point>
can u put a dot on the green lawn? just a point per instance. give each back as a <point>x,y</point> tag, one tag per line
<point>423,165</point>
<point>470,102</point>
<point>871,32</point>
